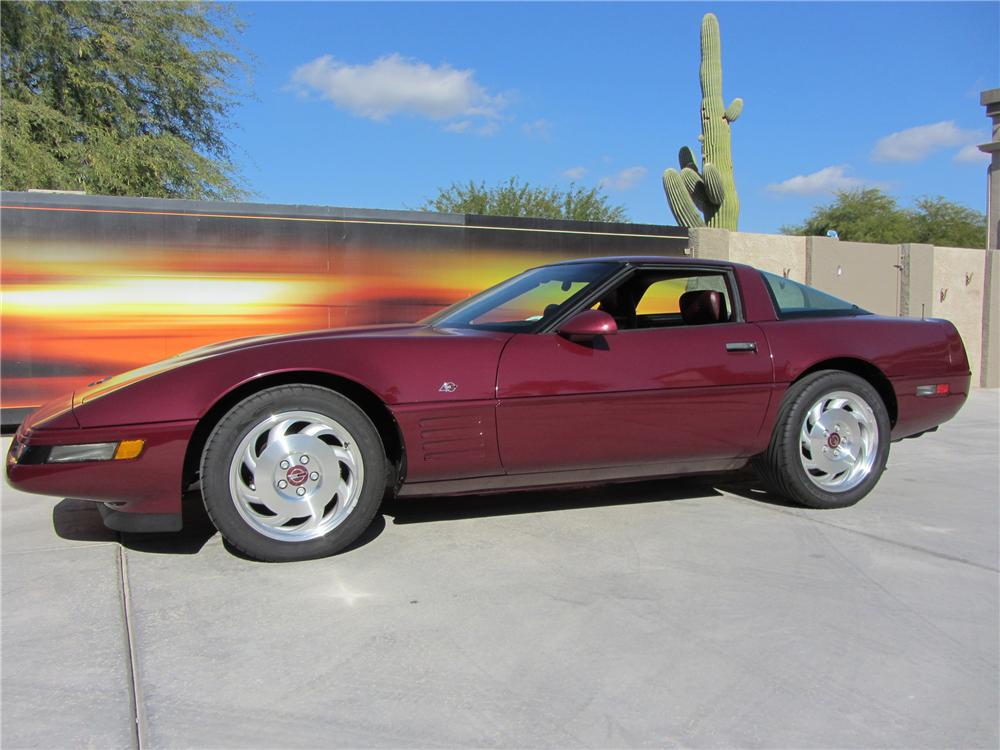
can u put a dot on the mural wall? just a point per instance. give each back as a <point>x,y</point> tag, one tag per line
<point>94,286</point>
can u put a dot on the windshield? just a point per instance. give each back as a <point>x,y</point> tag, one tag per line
<point>520,304</point>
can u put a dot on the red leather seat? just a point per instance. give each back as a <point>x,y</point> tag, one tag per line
<point>703,306</point>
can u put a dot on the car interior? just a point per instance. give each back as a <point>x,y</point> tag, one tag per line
<point>660,299</point>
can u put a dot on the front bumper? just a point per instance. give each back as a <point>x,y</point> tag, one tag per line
<point>149,485</point>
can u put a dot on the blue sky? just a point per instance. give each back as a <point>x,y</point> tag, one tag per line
<point>375,105</point>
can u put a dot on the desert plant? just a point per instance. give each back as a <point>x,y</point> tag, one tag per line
<point>708,197</point>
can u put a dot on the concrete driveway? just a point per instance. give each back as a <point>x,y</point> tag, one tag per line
<point>668,614</point>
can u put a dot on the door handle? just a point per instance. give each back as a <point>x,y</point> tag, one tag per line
<point>741,346</point>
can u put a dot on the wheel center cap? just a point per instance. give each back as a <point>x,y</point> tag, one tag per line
<point>297,475</point>
<point>833,441</point>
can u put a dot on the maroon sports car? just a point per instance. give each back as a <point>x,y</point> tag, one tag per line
<point>581,372</point>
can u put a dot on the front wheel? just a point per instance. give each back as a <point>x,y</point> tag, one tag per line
<point>293,473</point>
<point>830,442</point>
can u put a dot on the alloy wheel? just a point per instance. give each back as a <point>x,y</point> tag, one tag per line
<point>296,476</point>
<point>838,441</point>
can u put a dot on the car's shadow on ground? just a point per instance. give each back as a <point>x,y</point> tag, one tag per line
<point>80,520</point>
<point>427,509</point>
<point>750,487</point>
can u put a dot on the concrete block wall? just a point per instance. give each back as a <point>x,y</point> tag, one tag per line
<point>914,280</point>
<point>957,295</point>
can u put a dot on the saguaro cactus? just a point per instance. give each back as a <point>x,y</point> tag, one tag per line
<point>708,197</point>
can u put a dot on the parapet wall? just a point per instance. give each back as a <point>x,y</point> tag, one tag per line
<point>912,280</point>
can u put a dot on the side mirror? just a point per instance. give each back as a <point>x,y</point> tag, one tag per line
<point>588,324</point>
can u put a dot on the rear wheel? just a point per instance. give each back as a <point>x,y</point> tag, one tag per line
<point>830,442</point>
<point>293,473</point>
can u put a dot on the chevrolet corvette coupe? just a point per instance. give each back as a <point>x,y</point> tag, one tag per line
<point>582,372</point>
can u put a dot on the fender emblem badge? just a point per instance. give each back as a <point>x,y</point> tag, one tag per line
<point>448,387</point>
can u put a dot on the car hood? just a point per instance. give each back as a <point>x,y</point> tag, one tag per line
<point>372,331</point>
<point>55,414</point>
<point>110,384</point>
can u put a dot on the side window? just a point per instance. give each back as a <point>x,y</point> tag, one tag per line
<point>794,300</point>
<point>787,295</point>
<point>662,298</point>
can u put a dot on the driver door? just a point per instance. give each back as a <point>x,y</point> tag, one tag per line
<point>659,391</point>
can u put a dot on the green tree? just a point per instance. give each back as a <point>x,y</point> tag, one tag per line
<point>869,215</point>
<point>937,221</point>
<point>119,98</point>
<point>512,198</point>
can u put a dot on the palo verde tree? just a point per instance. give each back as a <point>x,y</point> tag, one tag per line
<point>512,198</point>
<point>119,98</point>
<point>937,221</point>
<point>869,215</point>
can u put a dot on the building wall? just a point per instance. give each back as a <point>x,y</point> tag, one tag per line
<point>956,283</point>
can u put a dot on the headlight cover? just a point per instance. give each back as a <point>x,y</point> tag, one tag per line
<point>59,454</point>
<point>125,449</point>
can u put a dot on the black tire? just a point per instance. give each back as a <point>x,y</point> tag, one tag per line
<point>782,466</point>
<point>330,453</point>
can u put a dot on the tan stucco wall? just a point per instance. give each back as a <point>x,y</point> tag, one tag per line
<point>957,295</point>
<point>990,377</point>
<point>782,254</point>
<point>709,243</point>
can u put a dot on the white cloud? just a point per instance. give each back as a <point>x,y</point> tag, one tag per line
<point>397,85</point>
<point>826,180</point>
<point>623,180</point>
<point>575,173</point>
<point>540,128</point>
<point>920,142</point>
<point>971,155</point>
<point>469,126</point>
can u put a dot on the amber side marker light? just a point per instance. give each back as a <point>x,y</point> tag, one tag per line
<point>129,449</point>
<point>939,389</point>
